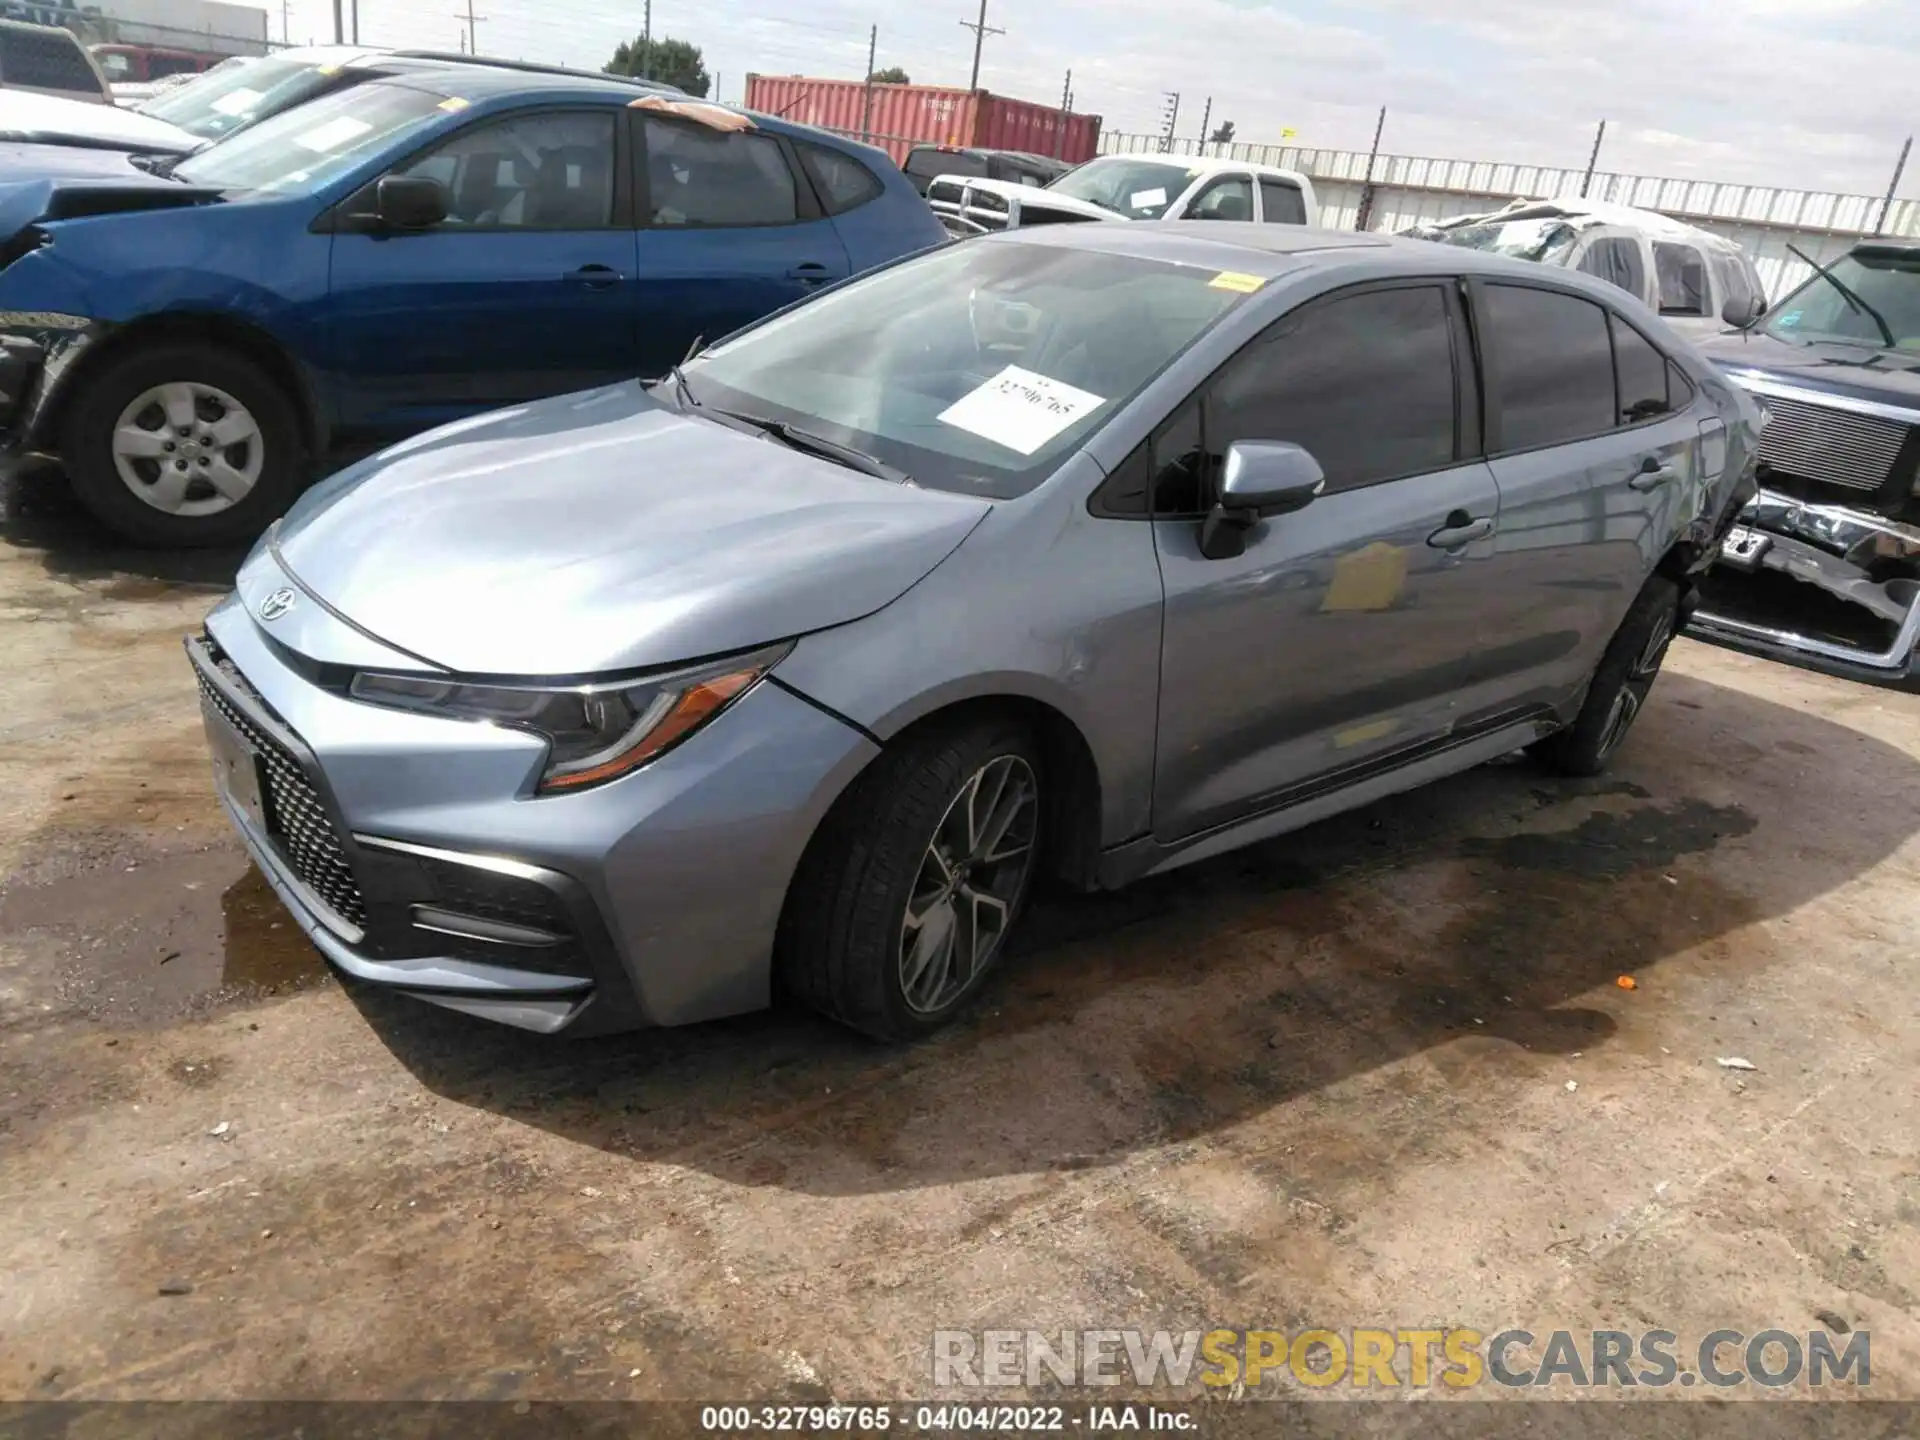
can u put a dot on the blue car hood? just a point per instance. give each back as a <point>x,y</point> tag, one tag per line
<point>90,182</point>
<point>604,532</point>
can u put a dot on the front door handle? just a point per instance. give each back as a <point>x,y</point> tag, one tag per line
<point>1460,529</point>
<point>594,277</point>
<point>1651,474</point>
<point>811,273</point>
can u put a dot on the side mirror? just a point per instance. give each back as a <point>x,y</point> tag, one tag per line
<point>410,202</point>
<point>1740,316</point>
<point>1260,479</point>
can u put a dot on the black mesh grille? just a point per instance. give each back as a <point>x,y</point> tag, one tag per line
<point>489,895</point>
<point>296,816</point>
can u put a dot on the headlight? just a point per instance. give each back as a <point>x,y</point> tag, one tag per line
<point>594,732</point>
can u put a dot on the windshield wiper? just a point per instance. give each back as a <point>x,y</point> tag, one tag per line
<point>808,442</point>
<point>1847,294</point>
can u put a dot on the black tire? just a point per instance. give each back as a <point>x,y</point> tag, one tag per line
<point>843,946</point>
<point>87,446</point>
<point>1620,685</point>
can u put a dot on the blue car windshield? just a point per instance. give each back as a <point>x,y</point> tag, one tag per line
<point>299,150</point>
<point>979,367</point>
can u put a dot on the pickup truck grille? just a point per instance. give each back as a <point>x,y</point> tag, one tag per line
<point>1838,447</point>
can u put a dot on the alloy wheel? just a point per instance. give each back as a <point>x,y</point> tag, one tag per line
<point>1639,680</point>
<point>969,882</point>
<point>188,449</point>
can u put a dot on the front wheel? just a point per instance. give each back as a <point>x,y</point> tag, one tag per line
<point>907,895</point>
<point>182,445</point>
<point>1620,685</point>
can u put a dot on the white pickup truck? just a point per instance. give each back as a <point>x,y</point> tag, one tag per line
<point>1129,187</point>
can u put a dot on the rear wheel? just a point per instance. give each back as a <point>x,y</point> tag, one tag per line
<point>907,895</point>
<point>183,445</point>
<point>1620,685</point>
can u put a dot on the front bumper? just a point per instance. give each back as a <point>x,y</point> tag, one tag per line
<point>1867,560</point>
<point>411,851</point>
<point>37,352</point>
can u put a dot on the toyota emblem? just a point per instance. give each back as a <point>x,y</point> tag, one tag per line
<point>276,604</point>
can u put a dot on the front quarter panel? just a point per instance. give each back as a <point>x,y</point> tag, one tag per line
<point>1044,602</point>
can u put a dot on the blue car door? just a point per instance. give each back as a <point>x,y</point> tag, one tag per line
<point>729,230</point>
<point>526,289</point>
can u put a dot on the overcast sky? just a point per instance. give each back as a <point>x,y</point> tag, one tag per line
<point>1811,94</point>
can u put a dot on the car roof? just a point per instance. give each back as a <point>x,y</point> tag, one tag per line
<point>1269,251</point>
<point>1197,165</point>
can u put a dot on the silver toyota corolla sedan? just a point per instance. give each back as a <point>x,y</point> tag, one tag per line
<point>1080,552</point>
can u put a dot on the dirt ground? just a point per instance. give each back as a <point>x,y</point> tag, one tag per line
<point>1378,1073</point>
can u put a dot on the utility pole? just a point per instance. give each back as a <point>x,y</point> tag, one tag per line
<point>866,90</point>
<point>1206,118</point>
<point>1365,211</point>
<point>339,25</point>
<point>286,21</point>
<point>473,45</point>
<point>646,44</point>
<point>1593,159</point>
<point>1172,98</point>
<point>980,30</point>
<point>1899,169</point>
<point>356,21</point>
<point>1066,115</point>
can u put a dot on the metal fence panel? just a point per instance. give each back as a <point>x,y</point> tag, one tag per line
<point>1415,189</point>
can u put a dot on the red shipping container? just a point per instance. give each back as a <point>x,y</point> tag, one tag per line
<point>898,117</point>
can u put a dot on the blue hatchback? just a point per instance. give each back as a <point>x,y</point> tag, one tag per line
<point>398,255</point>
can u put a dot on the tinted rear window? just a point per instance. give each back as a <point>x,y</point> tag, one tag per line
<point>932,163</point>
<point>37,61</point>
<point>1555,366</point>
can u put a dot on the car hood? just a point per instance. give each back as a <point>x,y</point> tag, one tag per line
<point>50,119</point>
<point>604,532</point>
<point>90,183</point>
<point>1861,372</point>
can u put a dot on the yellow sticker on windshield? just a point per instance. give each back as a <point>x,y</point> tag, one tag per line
<point>329,70</point>
<point>454,102</point>
<point>1233,280</point>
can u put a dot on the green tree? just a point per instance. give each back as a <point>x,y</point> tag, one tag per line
<point>673,62</point>
<point>1222,133</point>
<point>892,75</point>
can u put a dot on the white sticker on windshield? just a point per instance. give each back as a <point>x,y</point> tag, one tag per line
<point>332,135</point>
<point>1020,410</point>
<point>237,102</point>
<point>1141,199</point>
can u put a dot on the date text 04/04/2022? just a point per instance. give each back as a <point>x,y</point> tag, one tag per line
<point>961,1419</point>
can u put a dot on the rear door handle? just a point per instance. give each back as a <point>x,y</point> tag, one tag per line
<point>811,273</point>
<point>1460,529</point>
<point>1651,474</point>
<point>594,277</point>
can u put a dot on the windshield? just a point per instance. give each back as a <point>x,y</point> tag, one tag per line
<point>1888,283</point>
<point>1547,240</point>
<point>225,98</point>
<point>1138,189</point>
<point>297,151</point>
<point>975,368</point>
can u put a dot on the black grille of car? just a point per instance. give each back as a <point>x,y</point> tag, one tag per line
<point>1839,447</point>
<point>466,890</point>
<point>296,815</point>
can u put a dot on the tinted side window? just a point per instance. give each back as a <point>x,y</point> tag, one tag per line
<point>1683,278</point>
<point>1283,203</point>
<point>158,65</point>
<point>1734,281</point>
<point>843,182</point>
<point>697,176</point>
<point>1228,198</point>
<point>1365,382</point>
<point>1555,366</point>
<point>1642,372</point>
<point>534,172</point>
<point>1616,260</point>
